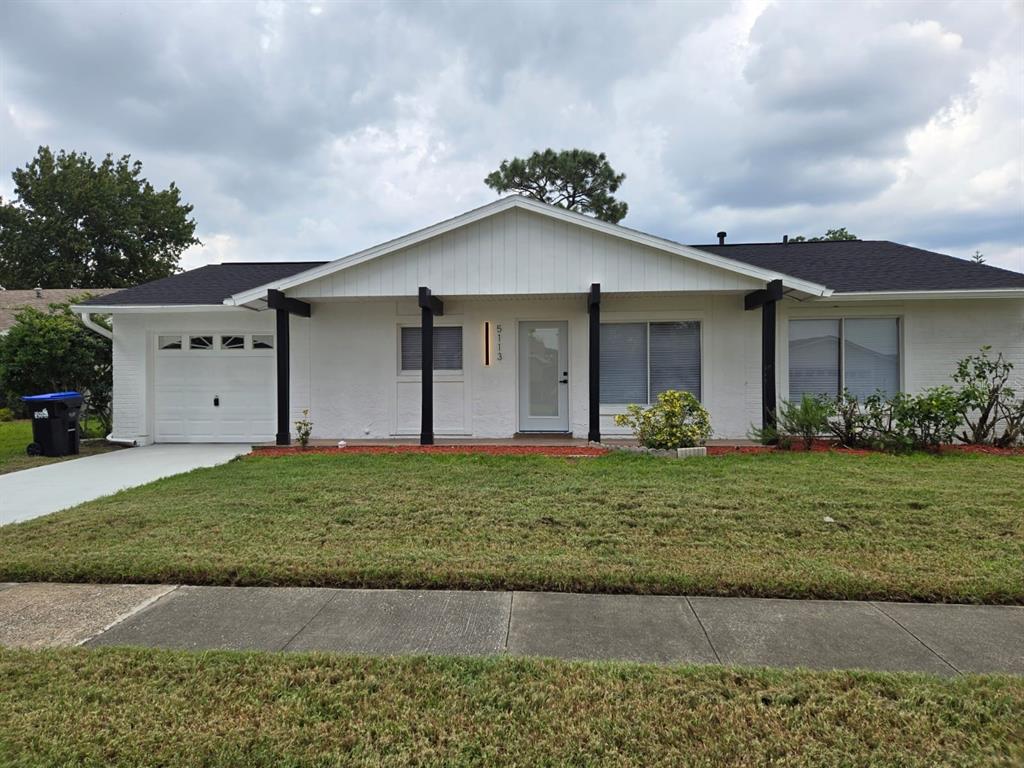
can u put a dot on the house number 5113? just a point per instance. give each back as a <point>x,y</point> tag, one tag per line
<point>497,339</point>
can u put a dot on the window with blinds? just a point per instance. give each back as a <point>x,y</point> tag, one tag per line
<point>861,354</point>
<point>813,358</point>
<point>447,348</point>
<point>639,361</point>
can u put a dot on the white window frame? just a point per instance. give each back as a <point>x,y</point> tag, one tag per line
<point>612,409</point>
<point>841,319</point>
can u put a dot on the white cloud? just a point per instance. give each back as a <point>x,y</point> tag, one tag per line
<point>309,131</point>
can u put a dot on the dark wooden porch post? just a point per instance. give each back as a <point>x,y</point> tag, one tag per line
<point>766,299</point>
<point>284,307</point>
<point>429,306</point>
<point>282,345</point>
<point>768,397</point>
<point>594,308</point>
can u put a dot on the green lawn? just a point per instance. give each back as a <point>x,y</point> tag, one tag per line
<point>920,527</point>
<point>15,437</point>
<point>123,707</point>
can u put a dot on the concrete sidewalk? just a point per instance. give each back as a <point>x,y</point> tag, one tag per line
<point>40,491</point>
<point>939,639</point>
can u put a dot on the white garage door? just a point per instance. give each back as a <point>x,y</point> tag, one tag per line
<point>215,388</point>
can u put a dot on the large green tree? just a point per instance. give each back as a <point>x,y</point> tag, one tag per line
<point>53,352</point>
<point>832,234</point>
<point>75,223</point>
<point>574,178</point>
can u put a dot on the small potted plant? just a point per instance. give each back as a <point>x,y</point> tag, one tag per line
<point>303,429</point>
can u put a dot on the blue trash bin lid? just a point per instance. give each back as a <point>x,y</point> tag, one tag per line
<point>49,397</point>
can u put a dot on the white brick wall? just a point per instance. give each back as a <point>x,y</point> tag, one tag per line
<point>344,359</point>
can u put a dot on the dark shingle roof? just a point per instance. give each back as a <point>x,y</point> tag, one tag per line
<point>206,285</point>
<point>850,266</point>
<point>845,266</point>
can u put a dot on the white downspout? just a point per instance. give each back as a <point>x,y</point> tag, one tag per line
<point>92,325</point>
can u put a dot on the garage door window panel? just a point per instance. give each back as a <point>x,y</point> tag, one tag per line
<point>200,342</point>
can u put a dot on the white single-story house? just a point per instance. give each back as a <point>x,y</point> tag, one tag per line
<point>521,317</point>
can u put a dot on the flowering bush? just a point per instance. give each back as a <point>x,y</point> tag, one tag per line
<point>677,420</point>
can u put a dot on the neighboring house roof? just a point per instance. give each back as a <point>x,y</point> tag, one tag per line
<point>12,302</point>
<point>855,266</point>
<point>211,284</point>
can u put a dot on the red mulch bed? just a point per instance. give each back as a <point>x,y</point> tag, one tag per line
<point>989,450</point>
<point>491,450</point>
<point>827,445</point>
<point>819,446</point>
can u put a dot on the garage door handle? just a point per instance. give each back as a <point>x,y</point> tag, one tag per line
<point>216,401</point>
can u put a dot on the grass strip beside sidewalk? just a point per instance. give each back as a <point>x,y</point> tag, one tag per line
<point>129,707</point>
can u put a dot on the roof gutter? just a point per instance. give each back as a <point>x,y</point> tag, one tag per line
<point>979,293</point>
<point>92,325</point>
<point>136,309</point>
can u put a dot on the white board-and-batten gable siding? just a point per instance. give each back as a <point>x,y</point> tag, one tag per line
<point>520,252</point>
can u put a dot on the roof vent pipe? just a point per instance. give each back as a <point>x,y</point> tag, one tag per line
<point>785,239</point>
<point>721,237</point>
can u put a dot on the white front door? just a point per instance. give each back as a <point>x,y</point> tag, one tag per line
<point>544,376</point>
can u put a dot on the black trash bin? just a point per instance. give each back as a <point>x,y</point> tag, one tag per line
<point>54,423</point>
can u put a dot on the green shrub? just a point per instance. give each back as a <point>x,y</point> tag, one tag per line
<point>848,422</point>
<point>930,418</point>
<point>677,420</point>
<point>989,408</point>
<point>906,422</point>
<point>6,414</point>
<point>1013,425</point>
<point>51,352</point>
<point>805,420</point>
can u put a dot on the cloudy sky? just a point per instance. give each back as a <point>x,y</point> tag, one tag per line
<point>310,130</point>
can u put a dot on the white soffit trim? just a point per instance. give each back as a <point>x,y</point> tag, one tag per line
<point>535,206</point>
<point>977,293</point>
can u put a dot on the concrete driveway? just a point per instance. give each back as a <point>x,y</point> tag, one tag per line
<point>43,490</point>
